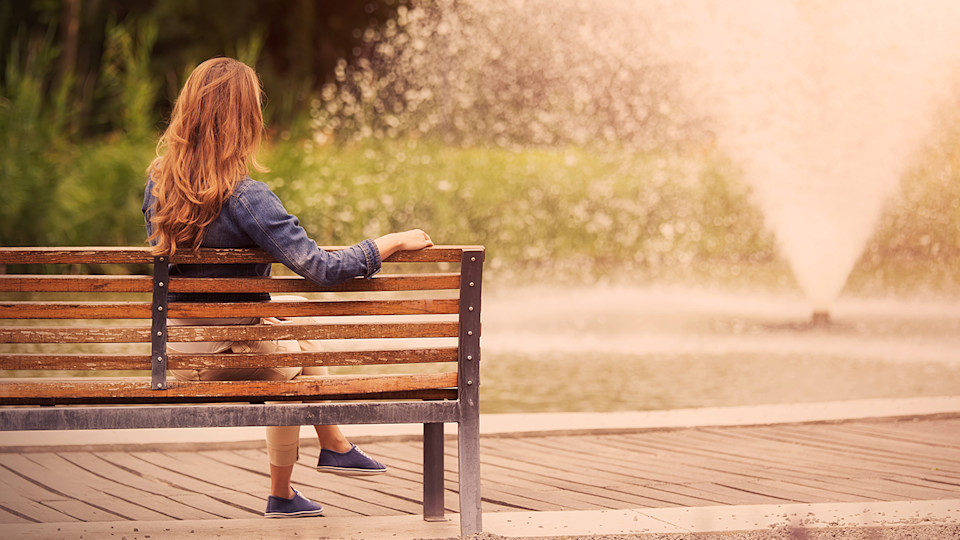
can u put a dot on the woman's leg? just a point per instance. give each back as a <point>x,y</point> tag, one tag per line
<point>329,437</point>
<point>280,484</point>
<point>283,445</point>
<point>283,442</point>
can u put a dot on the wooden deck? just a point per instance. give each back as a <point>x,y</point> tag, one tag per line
<point>864,460</point>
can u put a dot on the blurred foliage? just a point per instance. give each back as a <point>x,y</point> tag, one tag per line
<point>85,84</point>
<point>59,192</point>
<point>31,127</point>
<point>293,44</point>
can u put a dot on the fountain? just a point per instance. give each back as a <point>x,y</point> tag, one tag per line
<point>821,102</point>
<point>820,317</point>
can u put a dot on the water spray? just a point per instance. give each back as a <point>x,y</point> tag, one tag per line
<point>824,104</point>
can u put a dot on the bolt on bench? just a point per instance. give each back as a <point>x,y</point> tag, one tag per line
<point>118,323</point>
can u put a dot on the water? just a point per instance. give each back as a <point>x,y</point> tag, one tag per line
<point>604,349</point>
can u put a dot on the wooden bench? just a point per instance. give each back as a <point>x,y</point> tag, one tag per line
<point>425,303</point>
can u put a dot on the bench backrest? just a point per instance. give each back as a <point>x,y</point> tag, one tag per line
<point>421,314</point>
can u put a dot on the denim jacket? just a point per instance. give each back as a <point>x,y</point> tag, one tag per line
<point>253,216</point>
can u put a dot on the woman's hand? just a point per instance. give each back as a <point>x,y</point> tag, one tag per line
<point>402,241</point>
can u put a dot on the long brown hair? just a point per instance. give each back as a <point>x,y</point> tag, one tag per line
<point>209,146</point>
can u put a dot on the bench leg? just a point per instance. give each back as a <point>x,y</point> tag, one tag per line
<point>433,472</point>
<point>469,455</point>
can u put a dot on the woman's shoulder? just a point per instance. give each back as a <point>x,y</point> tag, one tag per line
<point>250,193</point>
<point>248,187</point>
<point>246,184</point>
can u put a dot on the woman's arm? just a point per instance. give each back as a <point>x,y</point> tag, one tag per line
<point>262,216</point>
<point>411,240</point>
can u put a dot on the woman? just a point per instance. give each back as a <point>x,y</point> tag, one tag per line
<point>199,194</point>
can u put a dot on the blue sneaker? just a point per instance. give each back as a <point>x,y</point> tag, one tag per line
<point>350,463</point>
<point>296,506</point>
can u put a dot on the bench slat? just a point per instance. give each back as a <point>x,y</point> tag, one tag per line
<point>75,361</point>
<point>275,284</point>
<point>142,255</point>
<point>316,308</point>
<point>74,310</point>
<point>310,308</point>
<point>107,362</point>
<point>137,390</point>
<point>288,284</point>
<point>75,255</point>
<point>66,283</point>
<point>313,358</point>
<point>298,330</point>
<point>295,330</point>
<point>74,334</point>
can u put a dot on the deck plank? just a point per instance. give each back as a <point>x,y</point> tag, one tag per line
<point>357,496</point>
<point>692,462</point>
<point>29,505</point>
<point>763,463</point>
<point>762,447</point>
<point>77,496</point>
<point>657,498</point>
<point>882,451</point>
<point>804,493</point>
<point>898,442</point>
<point>505,470</point>
<point>83,511</point>
<point>391,491</point>
<point>241,492</point>
<point>105,492</point>
<point>849,466</point>
<point>10,516</point>
<point>27,487</point>
<point>165,495</point>
<point>200,495</point>
<point>931,432</point>
<point>561,454</point>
